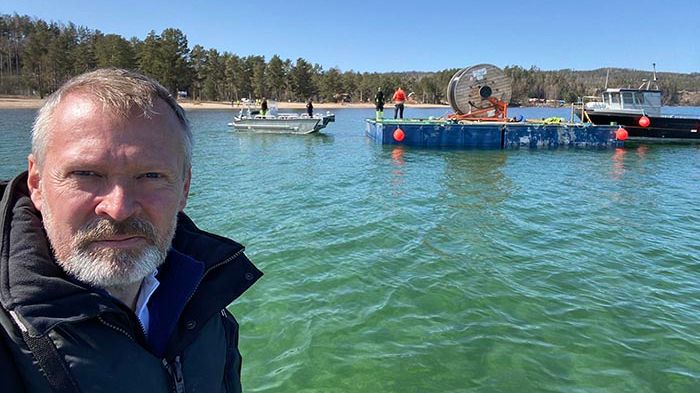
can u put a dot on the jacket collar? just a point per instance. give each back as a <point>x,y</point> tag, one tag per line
<point>41,295</point>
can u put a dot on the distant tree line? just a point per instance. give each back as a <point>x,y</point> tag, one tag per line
<point>36,57</point>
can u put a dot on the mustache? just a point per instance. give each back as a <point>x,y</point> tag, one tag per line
<point>103,228</point>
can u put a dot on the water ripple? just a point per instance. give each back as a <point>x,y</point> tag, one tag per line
<point>406,270</point>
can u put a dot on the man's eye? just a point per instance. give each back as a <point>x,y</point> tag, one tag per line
<point>83,173</point>
<point>152,175</point>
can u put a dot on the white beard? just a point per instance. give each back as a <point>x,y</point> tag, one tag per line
<point>119,269</point>
<point>105,267</point>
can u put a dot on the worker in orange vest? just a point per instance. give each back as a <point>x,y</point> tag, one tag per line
<point>399,98</point>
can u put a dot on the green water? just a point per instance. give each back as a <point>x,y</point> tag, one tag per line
<point>406,270</point>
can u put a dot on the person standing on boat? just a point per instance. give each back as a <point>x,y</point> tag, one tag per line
<point>379,103</point>
<point>399,98</point>
<point>263,107</point>
<point>107,285</point>
<point>310,108</point>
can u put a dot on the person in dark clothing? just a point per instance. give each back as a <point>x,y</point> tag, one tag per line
<point>310,108</point>
<point>263,107</point>
<point>105,283</point>
<point>379,104</point>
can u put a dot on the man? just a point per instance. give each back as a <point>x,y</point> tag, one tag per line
<point>105,284</point>
<point>379,104</point>
<point>399,99</point>
<point>263,107</point>
<point>310,107</point>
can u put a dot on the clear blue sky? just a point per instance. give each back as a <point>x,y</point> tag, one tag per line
<point>394,35</point>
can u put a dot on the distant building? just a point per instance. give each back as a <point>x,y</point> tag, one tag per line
<point>536,101</point>
<point>544,102</point>
<point>342,97</point>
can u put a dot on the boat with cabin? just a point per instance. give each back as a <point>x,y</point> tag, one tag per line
<point>639,112</point>
<point>274,122</point>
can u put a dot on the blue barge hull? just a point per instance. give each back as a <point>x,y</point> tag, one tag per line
<point>492,135</point>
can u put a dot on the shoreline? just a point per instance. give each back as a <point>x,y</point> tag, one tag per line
<point>36,103</point>
<point>297,105</point>
<point>19,102</point>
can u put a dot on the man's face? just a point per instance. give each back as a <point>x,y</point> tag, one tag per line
<point>109,190</point>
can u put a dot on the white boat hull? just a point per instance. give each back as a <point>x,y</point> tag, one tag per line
<point>282,124</point>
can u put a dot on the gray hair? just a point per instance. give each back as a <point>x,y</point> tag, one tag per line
<point>118,90</point>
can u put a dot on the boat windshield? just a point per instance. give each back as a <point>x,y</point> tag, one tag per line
<point>627,99</point>
<point>646,101</point>
<point>652,99</point>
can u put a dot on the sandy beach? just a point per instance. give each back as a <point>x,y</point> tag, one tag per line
<point>20,102</point>
<point>14,102</point>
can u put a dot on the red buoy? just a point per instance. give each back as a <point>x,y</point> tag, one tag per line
<point>644,122</point>
<point>399,135</point>
<point>621,134</point>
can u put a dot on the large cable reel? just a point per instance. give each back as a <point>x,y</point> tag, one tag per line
<point>481,92</point>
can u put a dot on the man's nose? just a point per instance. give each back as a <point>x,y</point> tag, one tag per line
<point>118,202</point>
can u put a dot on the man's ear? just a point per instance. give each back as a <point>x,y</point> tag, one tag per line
<point>186,190</point>
<point>34,182</point>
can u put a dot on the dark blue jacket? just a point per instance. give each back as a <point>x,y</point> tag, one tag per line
<point>193,339</point>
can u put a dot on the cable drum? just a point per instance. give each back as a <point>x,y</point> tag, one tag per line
<point>470,88</point>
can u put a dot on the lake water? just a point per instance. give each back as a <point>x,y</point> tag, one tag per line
<point>407,270</point>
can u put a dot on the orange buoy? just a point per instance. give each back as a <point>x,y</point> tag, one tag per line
<point>621,134</point>
<point>644,122</point>
<point>399,135</point>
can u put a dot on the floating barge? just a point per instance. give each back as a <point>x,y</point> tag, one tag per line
<point>479,96</point>
<point>492,135</point>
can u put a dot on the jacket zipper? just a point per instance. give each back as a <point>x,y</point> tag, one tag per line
<point>175,367</point>
<point>225,261</point>
<point>117,328</point>
<point>175,370</point>
<point>143,328</point>
<point>122,330</point>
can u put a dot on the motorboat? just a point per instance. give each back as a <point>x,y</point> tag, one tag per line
<point>280,123</point>
<point>639,112</point>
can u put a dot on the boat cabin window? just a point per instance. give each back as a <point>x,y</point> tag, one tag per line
<point>613,98</point>
<point>639,98</point>
<point>627,98</point>
<point>653,99</point>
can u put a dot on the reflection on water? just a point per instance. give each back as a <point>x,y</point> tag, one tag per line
<point>397,155</point>
<point>642,151</point>
<point>618,158</point>
<point>618,168</point>
<point>397,178</point>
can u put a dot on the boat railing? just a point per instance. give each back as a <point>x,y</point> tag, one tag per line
<point>288,116</point>
<point>596,105</point>
<point>246,113</point>
<point>579,107</point>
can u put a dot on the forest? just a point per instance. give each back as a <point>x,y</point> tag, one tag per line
<point>36,57</point>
